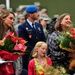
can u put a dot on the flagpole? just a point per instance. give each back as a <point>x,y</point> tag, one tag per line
<point>7,4</point>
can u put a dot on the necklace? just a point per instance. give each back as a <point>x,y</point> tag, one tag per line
<point>40,66</point>
<point>40,61</point>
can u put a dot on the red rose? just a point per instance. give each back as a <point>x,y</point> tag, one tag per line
<point>22,41</point>
<point>9,34</point>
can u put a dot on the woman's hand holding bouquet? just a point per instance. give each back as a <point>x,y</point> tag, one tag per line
<point>11,47</point>
<point>67,42</point>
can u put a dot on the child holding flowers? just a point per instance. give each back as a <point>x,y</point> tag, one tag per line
<point>40,60</point>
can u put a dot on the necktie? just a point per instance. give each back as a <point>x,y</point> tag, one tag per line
<point>33,26</point>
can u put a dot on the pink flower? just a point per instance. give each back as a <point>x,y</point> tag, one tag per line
<point>20,47</point>
<point>14,45</point>
<point>14,39</point>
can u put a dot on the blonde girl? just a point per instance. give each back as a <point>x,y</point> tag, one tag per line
<point>40,60</point>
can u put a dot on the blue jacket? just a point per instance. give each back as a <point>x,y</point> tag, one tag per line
<point>30,35</point>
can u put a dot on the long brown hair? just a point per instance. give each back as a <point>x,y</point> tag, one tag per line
<point>2,28</point>
<point>58,25</point>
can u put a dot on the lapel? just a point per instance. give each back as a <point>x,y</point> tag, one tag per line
<point>28,27</point>
<point>38,29</point>
<point>36,26</point>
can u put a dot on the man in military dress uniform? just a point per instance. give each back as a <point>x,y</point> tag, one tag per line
<point>31,31</point>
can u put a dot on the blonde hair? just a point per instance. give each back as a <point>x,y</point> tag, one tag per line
<point>58,25</point>
<point>37,45</point>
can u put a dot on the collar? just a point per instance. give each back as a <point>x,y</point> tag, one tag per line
<point>30,22</point>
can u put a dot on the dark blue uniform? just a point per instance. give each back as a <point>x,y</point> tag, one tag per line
<point>32,36</point>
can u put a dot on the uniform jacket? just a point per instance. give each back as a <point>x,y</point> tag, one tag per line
<point>32,36</point>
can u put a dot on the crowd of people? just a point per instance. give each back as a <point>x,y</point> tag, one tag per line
<point>42,34</point>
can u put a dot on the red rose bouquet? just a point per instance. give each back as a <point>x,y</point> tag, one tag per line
<point>67,42</point>
<point>11,47</point>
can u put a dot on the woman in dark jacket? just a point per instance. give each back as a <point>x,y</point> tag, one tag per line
<point>59,57</point>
